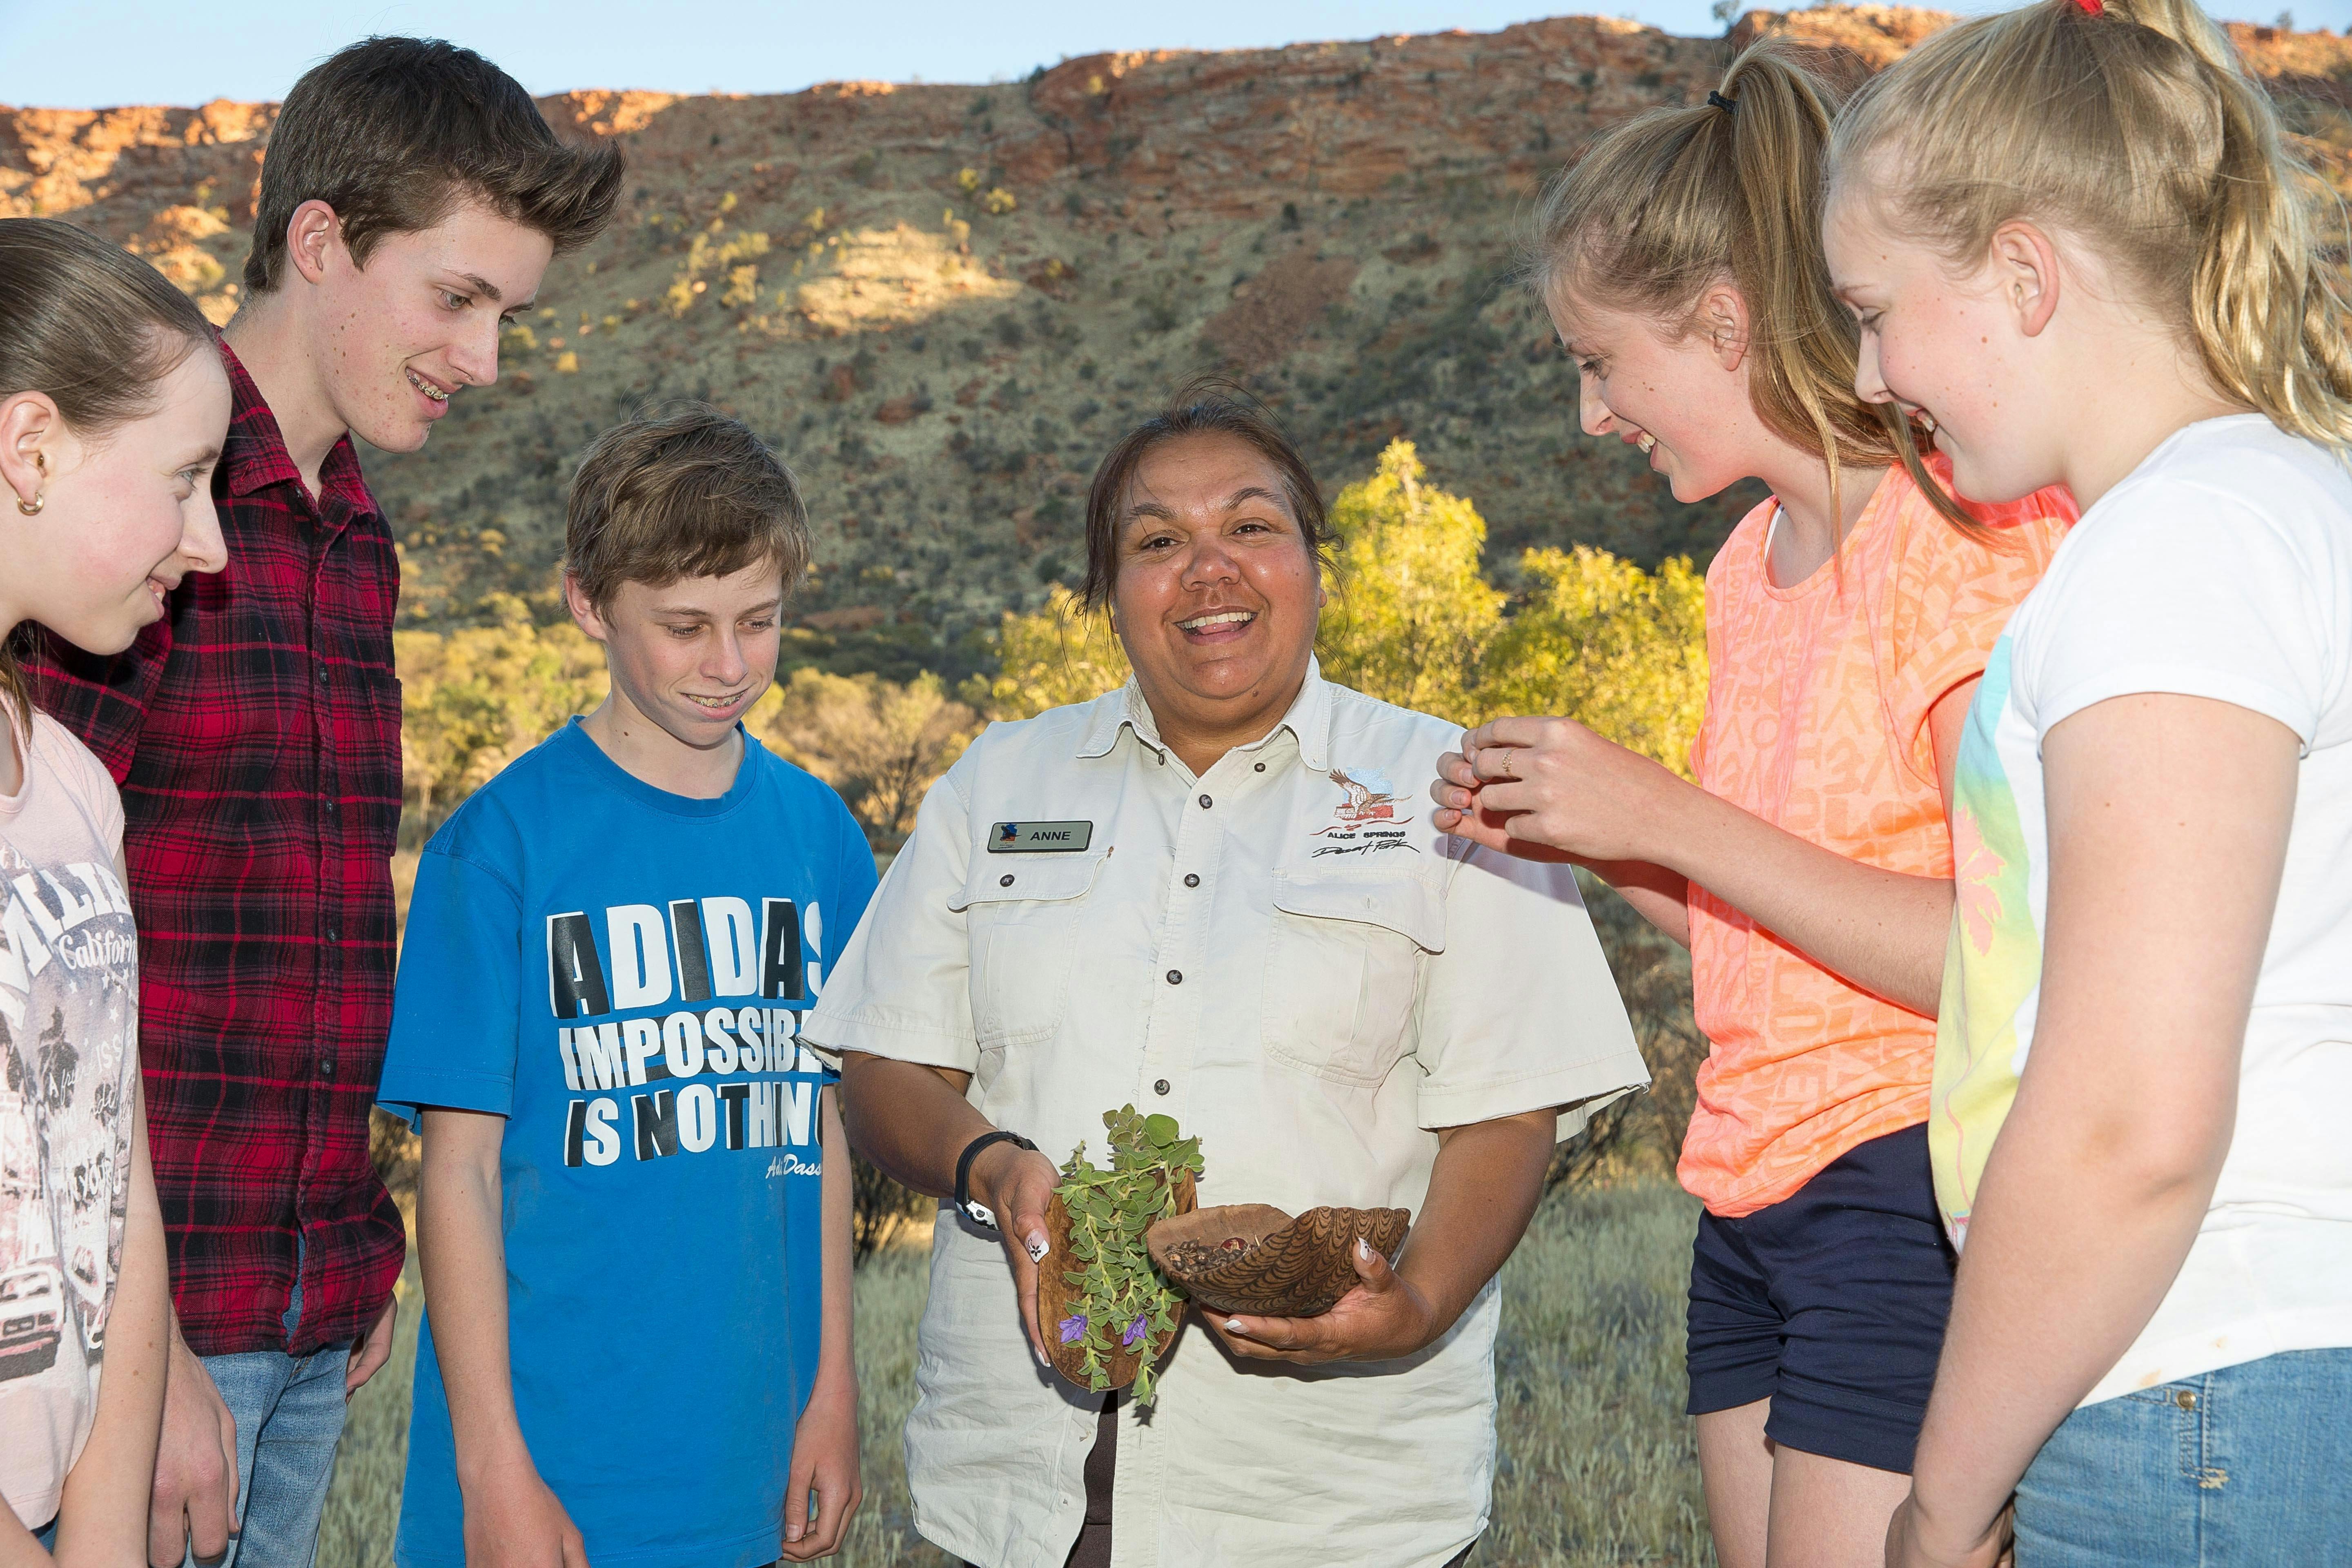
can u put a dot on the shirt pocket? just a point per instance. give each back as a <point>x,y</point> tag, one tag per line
<point>1021,919</point>
<point>1343,970</point>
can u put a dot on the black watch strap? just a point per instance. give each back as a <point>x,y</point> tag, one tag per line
<point>979,1213</point>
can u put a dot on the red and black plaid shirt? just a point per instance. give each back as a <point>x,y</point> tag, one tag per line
<point>255,733</point>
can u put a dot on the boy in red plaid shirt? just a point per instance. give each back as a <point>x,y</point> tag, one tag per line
<point>411,199</point>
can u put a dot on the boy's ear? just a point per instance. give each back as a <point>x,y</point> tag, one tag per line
<point>584,612</point>
<point>2025,266</point>
<point>312,234</point>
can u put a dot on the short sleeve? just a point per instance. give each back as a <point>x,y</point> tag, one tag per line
<point>2191,591</point>
<point>901,989</point>
<point>1520,1011</point>
<point>456,998</point>
<point>852,892</point>
<point>1952,597</point>
<point>83,777</point>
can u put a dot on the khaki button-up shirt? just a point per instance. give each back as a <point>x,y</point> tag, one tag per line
<point>1285,956</point>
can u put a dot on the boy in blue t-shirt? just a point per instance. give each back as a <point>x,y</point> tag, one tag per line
<point>636,1251</point>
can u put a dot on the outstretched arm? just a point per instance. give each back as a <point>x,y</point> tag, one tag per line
<point>1550,786</point>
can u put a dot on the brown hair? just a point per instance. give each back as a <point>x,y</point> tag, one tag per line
<point>2138,131</point>
<point>394,133</point>
<point>92,327</point>
<point>1662,207</point>
<point>1206,405</point>
<point>690,493</point>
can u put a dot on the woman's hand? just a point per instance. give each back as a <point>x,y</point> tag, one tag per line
<point>1911,1541</point>
<point>1528,785</point>
<point>1014,1184</point>
<point>1382,1318</point>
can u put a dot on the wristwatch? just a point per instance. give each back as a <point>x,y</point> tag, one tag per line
<point>979,1213</point>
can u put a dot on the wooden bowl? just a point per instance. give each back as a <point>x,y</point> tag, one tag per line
<point>1055,1294</point>
<point>1286,1268</point>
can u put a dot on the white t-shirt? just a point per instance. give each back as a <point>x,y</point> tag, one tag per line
<point>2220,568</point>
<point>69,1066</point>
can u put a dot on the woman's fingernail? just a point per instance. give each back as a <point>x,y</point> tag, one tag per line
<point>1037,1248</point>
<point>1043,1362</point>
<point>1363,1250</point>
<point>1233,1326</point>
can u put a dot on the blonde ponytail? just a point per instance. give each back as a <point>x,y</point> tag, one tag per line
<point>1662,207</point>
<point>2134,129</point>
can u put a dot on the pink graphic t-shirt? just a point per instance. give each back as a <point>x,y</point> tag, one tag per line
<point>69,1054</point>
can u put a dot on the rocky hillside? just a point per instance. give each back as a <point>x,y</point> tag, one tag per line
<point>943,302</point>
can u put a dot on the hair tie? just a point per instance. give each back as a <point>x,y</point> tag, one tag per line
<point>2093,7</point>
<point>1717,100</point>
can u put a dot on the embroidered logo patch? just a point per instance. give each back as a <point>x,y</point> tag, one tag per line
<point>1369,820</point>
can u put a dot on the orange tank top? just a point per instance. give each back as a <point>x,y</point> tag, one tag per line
<point>1817,710</point>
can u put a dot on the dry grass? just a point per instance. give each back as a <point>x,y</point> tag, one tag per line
<point>1597,1466</point>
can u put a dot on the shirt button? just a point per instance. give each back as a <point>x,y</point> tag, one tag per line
<point>1175,977</point>
<point>334,933</point>
<point>331,805</point>
<point>1160,1086</point>
<point>323,672</point>
<point>1206,803</point>
<point>326,1067</point>
<point>1006,880</point>
<point>1192,879</point>
<point>1261,767</point>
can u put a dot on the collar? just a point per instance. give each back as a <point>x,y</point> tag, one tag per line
<point>1308,720</point>
<point>257,457</point>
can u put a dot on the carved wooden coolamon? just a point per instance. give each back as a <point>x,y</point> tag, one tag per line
<point>1054,1296</point>
<point>1290,1268</point>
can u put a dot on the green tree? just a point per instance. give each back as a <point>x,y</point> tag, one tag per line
<point>1610,645</point>
<point>1411,616</point>
<point>881,744</point>
<point>473,700</point>
<point>1056,654</point>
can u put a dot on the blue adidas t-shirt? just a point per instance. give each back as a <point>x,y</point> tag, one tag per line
<point>618,971</point>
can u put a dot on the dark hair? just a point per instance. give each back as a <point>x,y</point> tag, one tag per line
<point>94,328</point>
<point>1206,406</point>
<point>394,133</point>
<point>690,493</point>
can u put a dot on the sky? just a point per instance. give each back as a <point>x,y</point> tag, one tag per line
<point>99,53</point>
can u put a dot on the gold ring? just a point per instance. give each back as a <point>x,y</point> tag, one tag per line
<point>1508,752</point>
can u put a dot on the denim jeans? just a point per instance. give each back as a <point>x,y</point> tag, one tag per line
<point>2238,1466</point>
<point>290,1415</point>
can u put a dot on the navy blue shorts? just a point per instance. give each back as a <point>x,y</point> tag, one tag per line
<point>1831,1304</point>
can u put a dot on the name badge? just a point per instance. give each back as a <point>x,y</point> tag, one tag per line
<point>1037,838</point>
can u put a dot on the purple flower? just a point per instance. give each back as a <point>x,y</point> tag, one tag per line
<point>1074,1328</point>
<point>1134,1332</point>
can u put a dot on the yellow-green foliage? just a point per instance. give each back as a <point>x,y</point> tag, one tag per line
<point>704,258</point>
<point>1602,640</point>
<point>1056,654</point>
<point>473,700</point>
<point>1409,616</point>
<point>881,744</point>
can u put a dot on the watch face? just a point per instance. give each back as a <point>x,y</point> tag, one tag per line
<point>980,1214</point>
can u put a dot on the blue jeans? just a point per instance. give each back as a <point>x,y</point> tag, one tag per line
<point>289,1414</point>
<point>2238,1466</point>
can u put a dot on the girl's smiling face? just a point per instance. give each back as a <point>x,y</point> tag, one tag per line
<point>1947,345</point>
<point>1679,395</point>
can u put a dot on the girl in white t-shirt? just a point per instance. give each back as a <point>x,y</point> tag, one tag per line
<point>113,406</point>
<point>2074,240</point>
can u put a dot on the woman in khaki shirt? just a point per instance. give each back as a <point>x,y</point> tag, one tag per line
<point>1217,893</point>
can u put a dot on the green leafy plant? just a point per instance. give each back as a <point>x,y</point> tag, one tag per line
<point>1118,1299</point>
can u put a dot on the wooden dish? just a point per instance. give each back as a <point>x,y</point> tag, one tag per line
<point>1286,1268</point>
<point>1054,1293</point>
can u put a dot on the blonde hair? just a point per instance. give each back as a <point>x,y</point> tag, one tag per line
<point>1662,207</point>
<point>2136,129</point>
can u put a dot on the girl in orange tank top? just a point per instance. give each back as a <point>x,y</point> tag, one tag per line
<point>1810,871</point>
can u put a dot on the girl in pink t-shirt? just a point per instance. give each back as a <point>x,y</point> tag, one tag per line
<point>113,406</point>
<point>1848,618</point>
